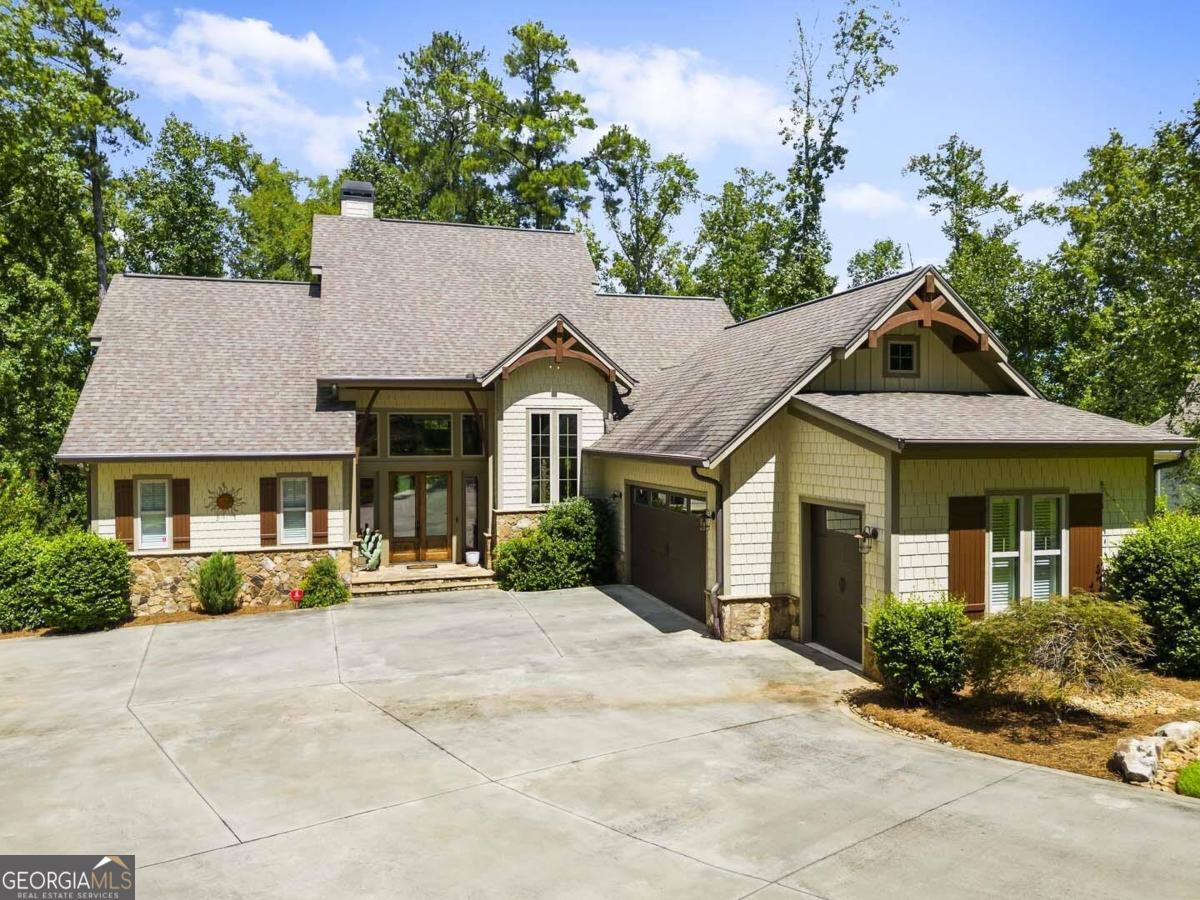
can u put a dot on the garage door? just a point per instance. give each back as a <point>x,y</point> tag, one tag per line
<point>837,580</point>
<point>666,548</point>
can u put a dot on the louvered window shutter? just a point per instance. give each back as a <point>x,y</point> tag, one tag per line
<point>268,504</point>
<point>320,509</point>
<point>1086,518</point>
<point>123,510</point>
<point>181,513</point>
<point>968,551</point>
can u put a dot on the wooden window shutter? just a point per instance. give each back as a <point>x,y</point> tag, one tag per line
<point>181,513</point>
<point>320,509</point>
<point>123,510</point>
<point>268,503</point>
<point>1086,521</point>
<point>968,551</point>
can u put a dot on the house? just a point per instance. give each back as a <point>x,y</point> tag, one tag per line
<point>446,383</point>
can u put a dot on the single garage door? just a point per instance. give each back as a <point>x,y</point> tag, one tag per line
<point>666,548</point>
<point>836,580</point>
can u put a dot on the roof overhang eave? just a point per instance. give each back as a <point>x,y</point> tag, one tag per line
<point>135,456</point>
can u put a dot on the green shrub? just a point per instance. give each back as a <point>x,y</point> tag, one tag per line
<point>571,546</point>
<point>535,561</point>
<point>919,647</point>
<point>1158,569</point>
<point>1188,780</point>
<point>323,586</point>
<point>20,607</point>
<point>1056,648</point>
<point>217,583</point>
<point>83,582</point>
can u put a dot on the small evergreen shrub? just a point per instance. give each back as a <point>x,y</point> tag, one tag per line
<point>1158,569</point>
<point>571,546</point>
<point>919,647</point>
<point>20,606</point>
<point>323,586</point>
<point>217,583</point>
<point>1188,780</point>
<point>82,581</point>
<point>1053,649</point>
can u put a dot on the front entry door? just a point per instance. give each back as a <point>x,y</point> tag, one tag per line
<point>420,516</point>
<point>837,581</point>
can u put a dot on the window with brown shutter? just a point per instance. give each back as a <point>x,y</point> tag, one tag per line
<point>268,503</point>
<point>1086,519</point>
<point>968,551</point>
<point>181,513</point>
<point>123,510</point>
<point>320,509</point>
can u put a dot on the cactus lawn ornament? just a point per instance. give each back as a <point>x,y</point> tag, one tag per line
<point>371,547</point>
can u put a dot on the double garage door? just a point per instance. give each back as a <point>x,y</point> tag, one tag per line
<point>666,547</point>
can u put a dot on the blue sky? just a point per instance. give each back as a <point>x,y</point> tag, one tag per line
<point>1032,84</point>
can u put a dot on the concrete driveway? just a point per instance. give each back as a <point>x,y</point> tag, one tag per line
<point>572,744</point>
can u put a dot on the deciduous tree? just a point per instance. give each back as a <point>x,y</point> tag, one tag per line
<point>883,258</point>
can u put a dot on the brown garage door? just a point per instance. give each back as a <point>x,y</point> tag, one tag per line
<point>836,580</point>
<point>666,548</point>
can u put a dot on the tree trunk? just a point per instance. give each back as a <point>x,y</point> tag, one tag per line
<point>94,177</point>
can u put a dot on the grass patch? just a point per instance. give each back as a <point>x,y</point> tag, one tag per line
<point>1188,782</point>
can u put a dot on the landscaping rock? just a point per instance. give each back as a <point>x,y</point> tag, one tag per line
<point>1136,759</point>
<point>1179,733</point>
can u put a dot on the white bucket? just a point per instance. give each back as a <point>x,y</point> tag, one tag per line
<point>472,557</point>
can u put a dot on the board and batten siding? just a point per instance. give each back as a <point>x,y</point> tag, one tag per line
<point>938,368</point>
<point>614,474</point>
<point>788,462</point>
<point>926,486</point>
<point>210,530</point>
<point>573,386</point>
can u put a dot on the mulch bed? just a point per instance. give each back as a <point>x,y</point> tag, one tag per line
<point>1012,728</point>
<point>187,615</point>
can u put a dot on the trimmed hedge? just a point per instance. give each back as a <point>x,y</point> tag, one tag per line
<point>323,586</point>
<point>83,582</point>
<point>919,647</point>
<point>20,605</point>
<point>217,583</point>
<point>1158,569</point>
<point>1188,780</point>
<point>571,546</point>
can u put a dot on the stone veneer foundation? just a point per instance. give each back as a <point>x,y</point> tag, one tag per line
<point>163,583</point>
<point>760,618</point>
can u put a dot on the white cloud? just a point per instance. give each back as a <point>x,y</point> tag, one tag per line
<point>865,199</point>
<point>234,69</point>
<point>679,100</point>
<point>1038,195</point>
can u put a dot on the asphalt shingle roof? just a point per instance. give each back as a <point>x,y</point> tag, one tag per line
<point>932,418</point>
<point>428,300</point>
<point>693,410</point>
<point>205,367</point>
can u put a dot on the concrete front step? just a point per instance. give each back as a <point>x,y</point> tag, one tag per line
<point>413,586</point>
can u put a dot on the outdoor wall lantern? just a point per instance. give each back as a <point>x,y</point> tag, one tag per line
<point>866,538</point>
<point>705,518</point>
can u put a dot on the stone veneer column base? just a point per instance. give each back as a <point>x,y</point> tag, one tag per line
<point>759,618</point>
<point>163,583</point>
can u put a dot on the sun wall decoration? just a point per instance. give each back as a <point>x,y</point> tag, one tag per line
<point>225,501</point>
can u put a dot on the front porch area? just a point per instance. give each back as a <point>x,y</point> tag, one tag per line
<point>411,578</point>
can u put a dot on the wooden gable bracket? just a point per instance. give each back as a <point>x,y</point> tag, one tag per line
<point>558,348</point>
<point>927,310</point>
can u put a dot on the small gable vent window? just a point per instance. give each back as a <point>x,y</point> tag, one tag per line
<point>901,356</point>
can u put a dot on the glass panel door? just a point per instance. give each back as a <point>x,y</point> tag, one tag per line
<point>471,510</point>
<point>436,520</point>
<point>405,542</point>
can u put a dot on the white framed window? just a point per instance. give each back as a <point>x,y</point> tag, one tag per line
<point>554,456</point>
<point>293,509</point>
<point>1048,541</point>
<point>900,356</point>
<point>153,513</point>
<point>1004,551</point>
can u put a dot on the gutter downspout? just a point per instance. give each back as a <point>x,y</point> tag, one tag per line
<point>719,518</point>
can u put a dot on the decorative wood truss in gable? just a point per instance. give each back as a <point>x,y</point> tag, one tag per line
<point>927,306</point>
<point>557,348</point>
